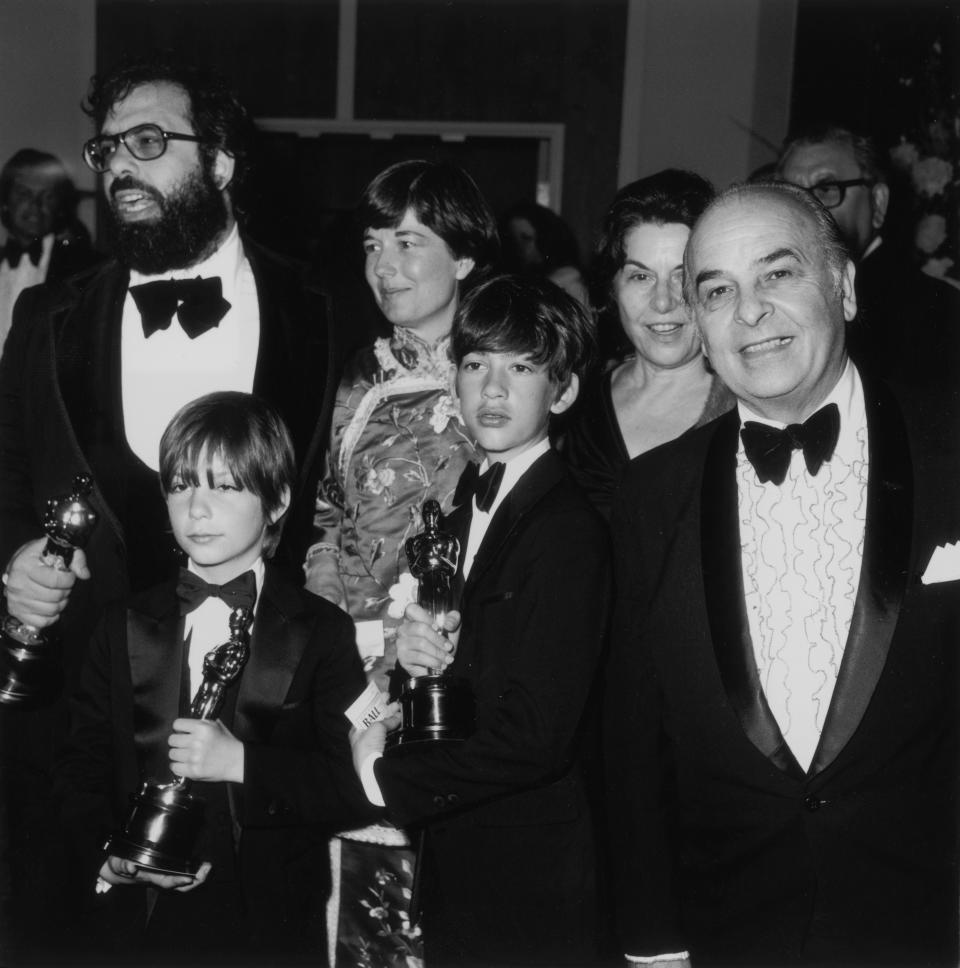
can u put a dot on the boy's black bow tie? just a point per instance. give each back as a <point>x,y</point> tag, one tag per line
<point>13,251</point>
<point>484,486</point>
<point>193,591</point>
<point>769,449</point>
<point>198,304</point>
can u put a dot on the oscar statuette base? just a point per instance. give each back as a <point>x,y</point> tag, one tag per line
<point>436,709</point>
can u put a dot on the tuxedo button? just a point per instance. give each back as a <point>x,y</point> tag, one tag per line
<point>453,799</point>
<point>273,808</point>
<point>812,804</point>
<point>439,801</point>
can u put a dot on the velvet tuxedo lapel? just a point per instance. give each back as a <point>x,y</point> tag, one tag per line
<point>156,655</point>
<point>723,592</point>
<point>883,574</point>
<point>86,330</point>
<point>277,645</point>
<point>545,473</point>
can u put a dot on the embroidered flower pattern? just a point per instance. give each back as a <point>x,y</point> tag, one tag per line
<point>398,439</point>
<point>401,595</point>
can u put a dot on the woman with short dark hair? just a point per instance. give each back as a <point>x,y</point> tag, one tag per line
<point>662,386</point>
<point>397,440</point>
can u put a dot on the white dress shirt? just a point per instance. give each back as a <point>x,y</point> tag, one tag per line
<point>801,548</point>
<point>208,626</point>
<point>14,280</point>
<point>161,374</point>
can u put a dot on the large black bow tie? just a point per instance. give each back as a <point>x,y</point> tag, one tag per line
<point>198,304</point>
<point>769,449</point>
<point>193,591</point>
<point>482,486</point>
<point>13,251</point>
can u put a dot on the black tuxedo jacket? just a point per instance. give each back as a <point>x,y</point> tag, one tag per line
<point>508,865</point>
<point>61,415</point>
<point>905,330</point>
<point>727,848</point>
<point>299,784</point>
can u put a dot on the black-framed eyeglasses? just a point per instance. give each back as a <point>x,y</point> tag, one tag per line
<point>831,194</point>
<point>145,142</point>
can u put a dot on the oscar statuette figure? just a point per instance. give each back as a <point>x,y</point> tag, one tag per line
<point>438,708</point>
<point>30,666</point>
<point>163,826</point>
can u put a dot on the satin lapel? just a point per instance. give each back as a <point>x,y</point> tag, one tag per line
<point>544,474</point>
<point>457,523</point>
<point>883,574</point>
<point>87,331</point>
<point>280,635</point>
<point>723,591</point>
<point>155,649</point>
<point>292,323</point>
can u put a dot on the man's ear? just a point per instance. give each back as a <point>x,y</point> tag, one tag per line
<point>847,292</point>
<point>880,200</point>
<point>465,266</point>
<point>223,167</point>
<point>566,399</point>
<point>281,509</point>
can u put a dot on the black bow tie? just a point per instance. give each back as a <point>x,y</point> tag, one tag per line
<point>482,486</point>
<point>193,591</point>
<point>198,304</point>
<point>13,251</point>
<point>769,449</point>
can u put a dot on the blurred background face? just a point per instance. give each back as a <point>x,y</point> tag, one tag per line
<point>413,276</point>
<point>857,216</point>
<point>32,205</point>
<point>521,243</point>
<point>648,294</point>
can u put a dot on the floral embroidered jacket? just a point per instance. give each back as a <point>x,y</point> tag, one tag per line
<point>397,439</point>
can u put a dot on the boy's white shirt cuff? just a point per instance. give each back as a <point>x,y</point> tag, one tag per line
<point>370,786</point>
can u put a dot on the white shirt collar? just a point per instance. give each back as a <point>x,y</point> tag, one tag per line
<point>225,262</point>
<point>513,470</point>
<point>847,394</point>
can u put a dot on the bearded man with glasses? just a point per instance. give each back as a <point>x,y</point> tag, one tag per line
<point>92,371</point>
<point>908,324</point>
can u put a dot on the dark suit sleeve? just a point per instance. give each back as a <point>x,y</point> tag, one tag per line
<point>27,347</point>
<point>305,774</point>
<point>640,791</point>
<point>86,770</point>
<point>548,656</point>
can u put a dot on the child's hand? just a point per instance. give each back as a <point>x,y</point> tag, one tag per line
<point>116,870</point>
<point>421,649</point>
<point>204,749</point>
<point>363,742</point>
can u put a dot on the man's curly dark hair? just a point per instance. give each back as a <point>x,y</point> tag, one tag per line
<point>215,111</point>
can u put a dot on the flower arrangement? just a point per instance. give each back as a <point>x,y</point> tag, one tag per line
<point>929,157</point>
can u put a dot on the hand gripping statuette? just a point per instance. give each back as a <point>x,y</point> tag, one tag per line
<point>30,667</point>
<point>437,708</point>
<point>163,826</point>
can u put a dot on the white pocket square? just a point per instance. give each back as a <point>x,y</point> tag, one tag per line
<point>944,564</point>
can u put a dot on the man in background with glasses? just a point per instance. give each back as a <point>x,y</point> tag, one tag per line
<point>92,371</point>
<point>908,323</point>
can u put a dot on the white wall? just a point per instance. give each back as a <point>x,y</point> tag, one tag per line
<point>700,75</point>
<point>47,54</point>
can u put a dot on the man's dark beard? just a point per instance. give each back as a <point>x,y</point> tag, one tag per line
<point>191,220</point>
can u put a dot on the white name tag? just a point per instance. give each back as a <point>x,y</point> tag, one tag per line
<point>368,708</point>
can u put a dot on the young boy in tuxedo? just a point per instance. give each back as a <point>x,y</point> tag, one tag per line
<point>508,863</point>
<point>274,768</point>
